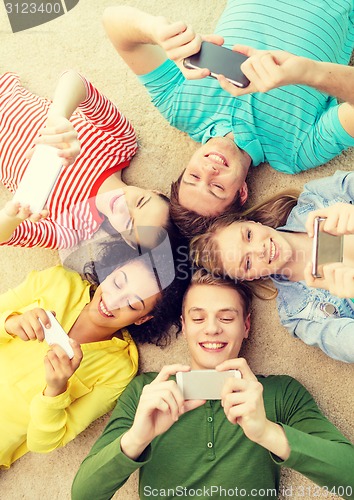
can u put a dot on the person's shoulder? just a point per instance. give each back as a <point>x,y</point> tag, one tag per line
<point>276,383</point>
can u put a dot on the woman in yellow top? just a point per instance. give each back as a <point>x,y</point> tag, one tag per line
<point>43,407</point>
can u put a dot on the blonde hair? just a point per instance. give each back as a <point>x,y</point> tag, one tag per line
<point>205,251</point>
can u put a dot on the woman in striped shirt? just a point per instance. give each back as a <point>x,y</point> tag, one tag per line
<point>95,145</point>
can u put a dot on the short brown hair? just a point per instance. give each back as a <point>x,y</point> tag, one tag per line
<point>189,222</point>
<point>203,277</point>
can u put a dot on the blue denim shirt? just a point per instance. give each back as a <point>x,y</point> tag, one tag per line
<point>314,315</point>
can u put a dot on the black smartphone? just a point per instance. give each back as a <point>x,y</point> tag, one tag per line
<point>326,248</point>
<point>220,61</point>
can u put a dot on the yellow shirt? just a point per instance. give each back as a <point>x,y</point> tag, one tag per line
<point>29,420</point>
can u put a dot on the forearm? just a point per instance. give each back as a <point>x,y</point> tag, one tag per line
<point>102,473</point>
<point>69,93</point>
<point>128,27</point>
<point>334,79</point>
<point>133,34</point>
<point>325,457</point>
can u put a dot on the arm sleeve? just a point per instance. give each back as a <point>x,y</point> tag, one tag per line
<point>15,300</point>
<point>333,335</point>
<point>107,468</point>
<point>318,450</point>
<point>45,233</point>
<point>56,421</point>
<point>323,141</point>
<point>105,116</point>
<point>337,187</point>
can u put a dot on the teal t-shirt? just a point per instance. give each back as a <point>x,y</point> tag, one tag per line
<point>293,128</point>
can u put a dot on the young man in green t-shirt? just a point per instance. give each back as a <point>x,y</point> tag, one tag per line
<point>238,443</point>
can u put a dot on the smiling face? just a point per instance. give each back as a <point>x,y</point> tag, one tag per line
<point>249,250</point>
<point>213,325</point>
<point>126,296</point>
<point>214,175</point>
<point>131,207</point>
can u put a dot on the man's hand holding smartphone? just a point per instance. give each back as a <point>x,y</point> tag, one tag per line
<point>267,70</point>
<point>160,406</point>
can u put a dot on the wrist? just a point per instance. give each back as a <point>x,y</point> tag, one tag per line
<point>52,392</point>
<point>273,438</point>
<point>132,446</point>
<point>312,73</point>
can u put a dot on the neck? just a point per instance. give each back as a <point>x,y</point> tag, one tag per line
<point>84,331</point>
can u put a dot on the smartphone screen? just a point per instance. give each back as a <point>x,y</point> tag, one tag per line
<point>326,248</point>
<point>219,60</point>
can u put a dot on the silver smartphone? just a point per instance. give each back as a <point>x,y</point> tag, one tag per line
<point>220,61</point>
<point>203,384</point>
<point>39,178</point>
<point>57,335</point>
<point>326,248</point>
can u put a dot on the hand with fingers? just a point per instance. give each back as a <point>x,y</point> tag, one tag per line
<point>267,70</point>
<point>337,278</point>
<point>160,406</point>
<point>242,400</point>
<point>22,212</point>
<point>11,216</point>
<point>339,219</point>
<point>27,326</point>
<point>59,368</point>
<point>179,40</point>
<point>61,134</point>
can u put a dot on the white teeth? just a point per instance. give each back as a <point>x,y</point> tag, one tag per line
<point>272,251</point>
<point>104,310</point>
<point>217,159</point>
<point>212,345</point>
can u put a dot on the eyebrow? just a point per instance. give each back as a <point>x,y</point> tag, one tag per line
<point>145,202</point>
<point>225,309</point>
<point>136,296</point>
<point>209,191</point>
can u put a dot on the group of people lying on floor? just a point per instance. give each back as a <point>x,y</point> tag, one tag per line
<point>192,261</point>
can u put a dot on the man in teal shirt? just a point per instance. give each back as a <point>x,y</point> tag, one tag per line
<point>206,448</point>
<point>288,116</point>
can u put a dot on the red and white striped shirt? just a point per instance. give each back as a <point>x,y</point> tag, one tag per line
<point>107,141</point>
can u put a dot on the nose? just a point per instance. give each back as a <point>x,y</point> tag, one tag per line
<point>259,250</point>
<point>210,168</point>
<point>213,327</point>
<point>112,301</point>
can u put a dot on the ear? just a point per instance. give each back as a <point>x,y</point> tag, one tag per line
<point>183,326</point>
<point>243,192</point>
<point>247,326</point>
<point>143,319</point>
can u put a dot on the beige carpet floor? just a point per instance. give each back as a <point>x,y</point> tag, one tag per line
<point>77,40</point>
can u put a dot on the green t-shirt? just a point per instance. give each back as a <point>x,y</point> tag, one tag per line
<point>204,452</point>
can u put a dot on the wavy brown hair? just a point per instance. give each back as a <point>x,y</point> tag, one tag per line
<point>189,222</point>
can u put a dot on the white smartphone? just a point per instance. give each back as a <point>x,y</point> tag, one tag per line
<point>57,335</point>
<point>39,178</point>
<point>326,248</point>
<point>219,60</point>
<point>203,384</point>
